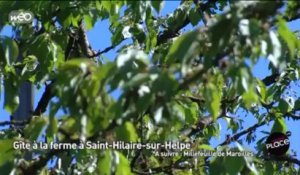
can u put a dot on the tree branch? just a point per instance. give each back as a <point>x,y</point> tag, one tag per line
<point>13,122</point>
<point>270,79</point>
<point>295,15</point>
<point>205,121</point>
<point>39,163</point>
<point>86,48</point>
<point>84,43</point>
<point>252,128</point>
<point>45,99</point>
<point>172,31</point>
<point>288,159</point>
<point>107,49</point>
<point>238,135</point>
<point>167,169</point>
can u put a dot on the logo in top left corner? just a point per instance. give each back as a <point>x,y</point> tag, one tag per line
<point>20,16</point>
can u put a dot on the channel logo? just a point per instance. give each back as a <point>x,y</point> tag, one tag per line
<point>20,17</point>
<point>278,144</point>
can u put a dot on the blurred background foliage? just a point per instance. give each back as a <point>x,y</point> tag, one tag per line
<point>174,85</point>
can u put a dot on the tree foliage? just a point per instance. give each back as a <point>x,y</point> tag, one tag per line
<point>174,85</point>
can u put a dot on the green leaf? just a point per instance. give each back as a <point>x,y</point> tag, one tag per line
<point>10,50</point>
<point>217,166</point>
<point>220,36</point>
<point>261,88</point>
<point>274,56</point>
<point>213,100</point>
<point>283,106</point>
<point>30,64</point>
<point>272,92</point>
<point>184,48</point>
<point>194,16</point>
<point>166,85</point>
<point>206,147</point>
<point>191,113</point>
<point>6,167</point>
<point>123,167</point>
<point>136,81</point>
<point>233,125</point>
<point>288,36</point>
<point>248,160</point>
<point>269,168</point>
<point>127,132</point>
<point>6,151</point>
<point>117,35</point>
<point>105,163</point>
<point>279,125</point>
<point>71,125</point>
<point>244,77</point>
<point>234,165</point>
<point>46,52</point>
<point>106,5</point>
<point>157,5</point>
<point>53,123</point>
<point>151,40</point>
<point>67,19</point>
<point>249,97</point>
<point>11,96</point>
<point>34,128</point>
<point>66,159</point>
<point>88,21</point>
<point>297,104</point>
<point>212,130</point>
<point>138,33</point>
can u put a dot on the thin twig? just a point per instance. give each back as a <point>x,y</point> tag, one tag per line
<point>13,122</point>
